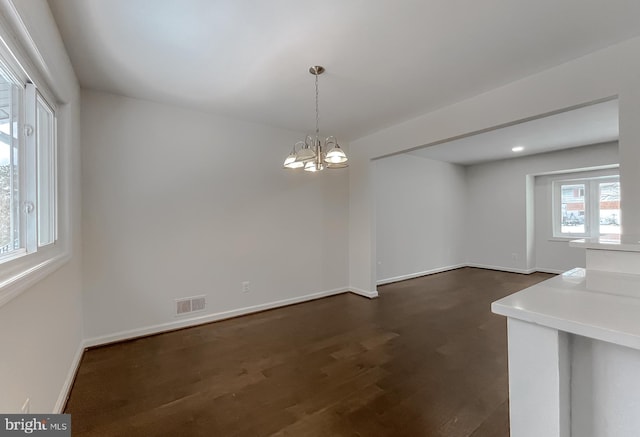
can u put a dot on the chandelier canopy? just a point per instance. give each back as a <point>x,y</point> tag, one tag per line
<point>310,154</point>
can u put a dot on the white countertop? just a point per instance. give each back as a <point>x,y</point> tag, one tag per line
<point>600,305</point>
<point>620,243</point>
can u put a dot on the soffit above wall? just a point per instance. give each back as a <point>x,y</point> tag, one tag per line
<point>592,124</point>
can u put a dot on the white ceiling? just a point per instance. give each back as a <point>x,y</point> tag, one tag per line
<point>587,125</point>
<point>386,61</point>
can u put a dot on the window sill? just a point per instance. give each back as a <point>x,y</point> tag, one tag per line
<point>566,239</point>
<point>17,282</point>
<point>575,237</point>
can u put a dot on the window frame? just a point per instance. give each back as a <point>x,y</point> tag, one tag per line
<point>591,200</point>
<point>51,165</point>
<point>19,54</point>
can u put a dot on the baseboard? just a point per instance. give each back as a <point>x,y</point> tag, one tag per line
<point>553,271</point>
<point>68,382</point>
<point>459,266</point>
<point>502,269</point>
<point>364,293</point>
<point>207,318</point>
<point>418,274</point>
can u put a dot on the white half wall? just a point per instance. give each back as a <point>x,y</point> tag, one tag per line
<point>181,203</point>
<point>420,216</point>
<point>497,218</point>
<point>41,329</point>
<point>613,71</point>
<point>604,389</point>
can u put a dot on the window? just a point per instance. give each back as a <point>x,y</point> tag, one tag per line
<point>586,207</point>
<point>27,168</point>
<point>35,214</point>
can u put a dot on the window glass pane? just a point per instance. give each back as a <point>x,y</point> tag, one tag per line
<point>9,201</point>
<point>609,207</point>
<point>572,199</point>
<point>45,138</point>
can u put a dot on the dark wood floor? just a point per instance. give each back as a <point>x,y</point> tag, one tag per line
<point>427,358</point>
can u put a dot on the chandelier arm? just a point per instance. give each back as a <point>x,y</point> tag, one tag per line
<point>308,141</point>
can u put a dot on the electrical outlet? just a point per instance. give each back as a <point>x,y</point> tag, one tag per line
<point>246,286</point>
<point>514,256</point>
<point>26,407</point>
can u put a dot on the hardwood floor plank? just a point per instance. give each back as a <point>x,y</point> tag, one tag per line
<point>427,358</point>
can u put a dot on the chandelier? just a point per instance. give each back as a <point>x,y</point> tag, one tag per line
<point>309,154</point>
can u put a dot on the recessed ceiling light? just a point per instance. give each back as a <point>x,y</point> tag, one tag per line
<point>517,149</point>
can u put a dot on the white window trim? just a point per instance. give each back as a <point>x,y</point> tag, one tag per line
<point>52,195</point>
<point>591,213</point>
<point>19,273</point>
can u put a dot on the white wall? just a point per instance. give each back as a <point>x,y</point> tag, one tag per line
<point>181,203</point>
<point>420,216</point>
<point>41,329</point>
<point>433,216</point>
<point>577,82</point>
<point>497,218</point>
<point>604,389</point>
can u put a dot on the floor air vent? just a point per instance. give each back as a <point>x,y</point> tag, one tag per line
<point>190,305</point>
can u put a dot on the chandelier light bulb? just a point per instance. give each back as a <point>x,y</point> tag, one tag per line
<point>336,155</point>
<point>313,167</point>
<point>291,161</point>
